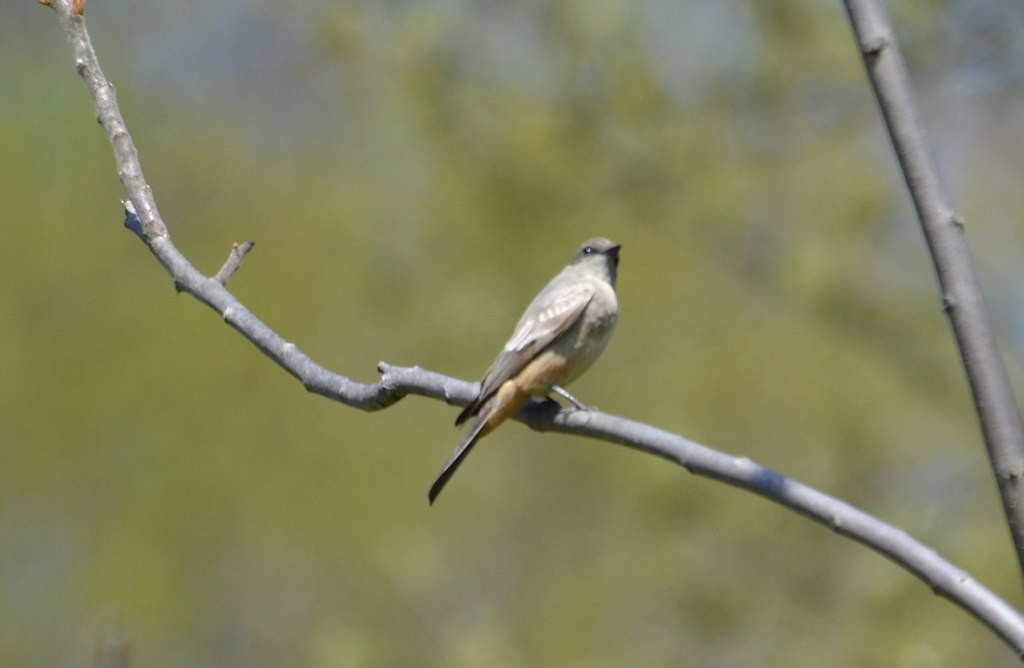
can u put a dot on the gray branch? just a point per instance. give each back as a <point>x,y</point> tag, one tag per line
<point>943,228</point>
<point>234,261</point>
<point>941,576</point>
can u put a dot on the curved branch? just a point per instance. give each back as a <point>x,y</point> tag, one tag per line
<point>396,382</point>
<point>943,227</point>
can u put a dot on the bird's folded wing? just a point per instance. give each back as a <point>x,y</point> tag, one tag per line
<point>547,318</point>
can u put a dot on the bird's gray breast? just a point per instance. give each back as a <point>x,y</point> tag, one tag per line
<point>593,329</point>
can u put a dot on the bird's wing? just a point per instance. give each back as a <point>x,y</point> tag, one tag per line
<point>555,313</point>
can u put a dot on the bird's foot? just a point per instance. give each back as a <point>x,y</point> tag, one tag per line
<point>580,406</point>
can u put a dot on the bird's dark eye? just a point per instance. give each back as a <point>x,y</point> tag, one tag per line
<point>588,250</point>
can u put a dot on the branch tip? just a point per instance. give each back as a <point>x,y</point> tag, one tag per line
<point>234,261</point>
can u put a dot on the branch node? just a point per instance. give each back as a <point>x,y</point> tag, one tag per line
<point>387,380</point>
<point>234,261</point>
<point>1012,476</point>
<point>131,219</point>
<point>959,220</point>
<point>873,46</point>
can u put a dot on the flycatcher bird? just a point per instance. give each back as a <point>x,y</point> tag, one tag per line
<point>561,333</point>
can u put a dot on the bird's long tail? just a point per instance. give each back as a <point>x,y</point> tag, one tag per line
<point>468,441</point>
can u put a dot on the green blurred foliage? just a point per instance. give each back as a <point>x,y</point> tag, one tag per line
<point>412,173</point>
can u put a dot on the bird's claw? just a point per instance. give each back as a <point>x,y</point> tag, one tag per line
<point>580,406</point>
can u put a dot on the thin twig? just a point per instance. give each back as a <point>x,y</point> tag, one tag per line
<point>234,261</point>
<point>396,382</point>
<point>943,228</point>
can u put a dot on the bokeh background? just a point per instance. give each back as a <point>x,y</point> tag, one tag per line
<point>412,173</point>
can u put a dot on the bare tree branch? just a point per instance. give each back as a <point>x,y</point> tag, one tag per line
<point>943,227</point>
<point>944,578</point>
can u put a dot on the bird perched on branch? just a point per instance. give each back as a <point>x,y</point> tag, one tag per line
<point>563,330</point>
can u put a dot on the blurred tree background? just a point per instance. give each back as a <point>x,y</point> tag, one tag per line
<point>412,173</point>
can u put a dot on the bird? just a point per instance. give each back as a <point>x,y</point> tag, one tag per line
<point>559,336</point>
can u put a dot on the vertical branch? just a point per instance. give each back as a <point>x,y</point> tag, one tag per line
<point>943,227</point>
